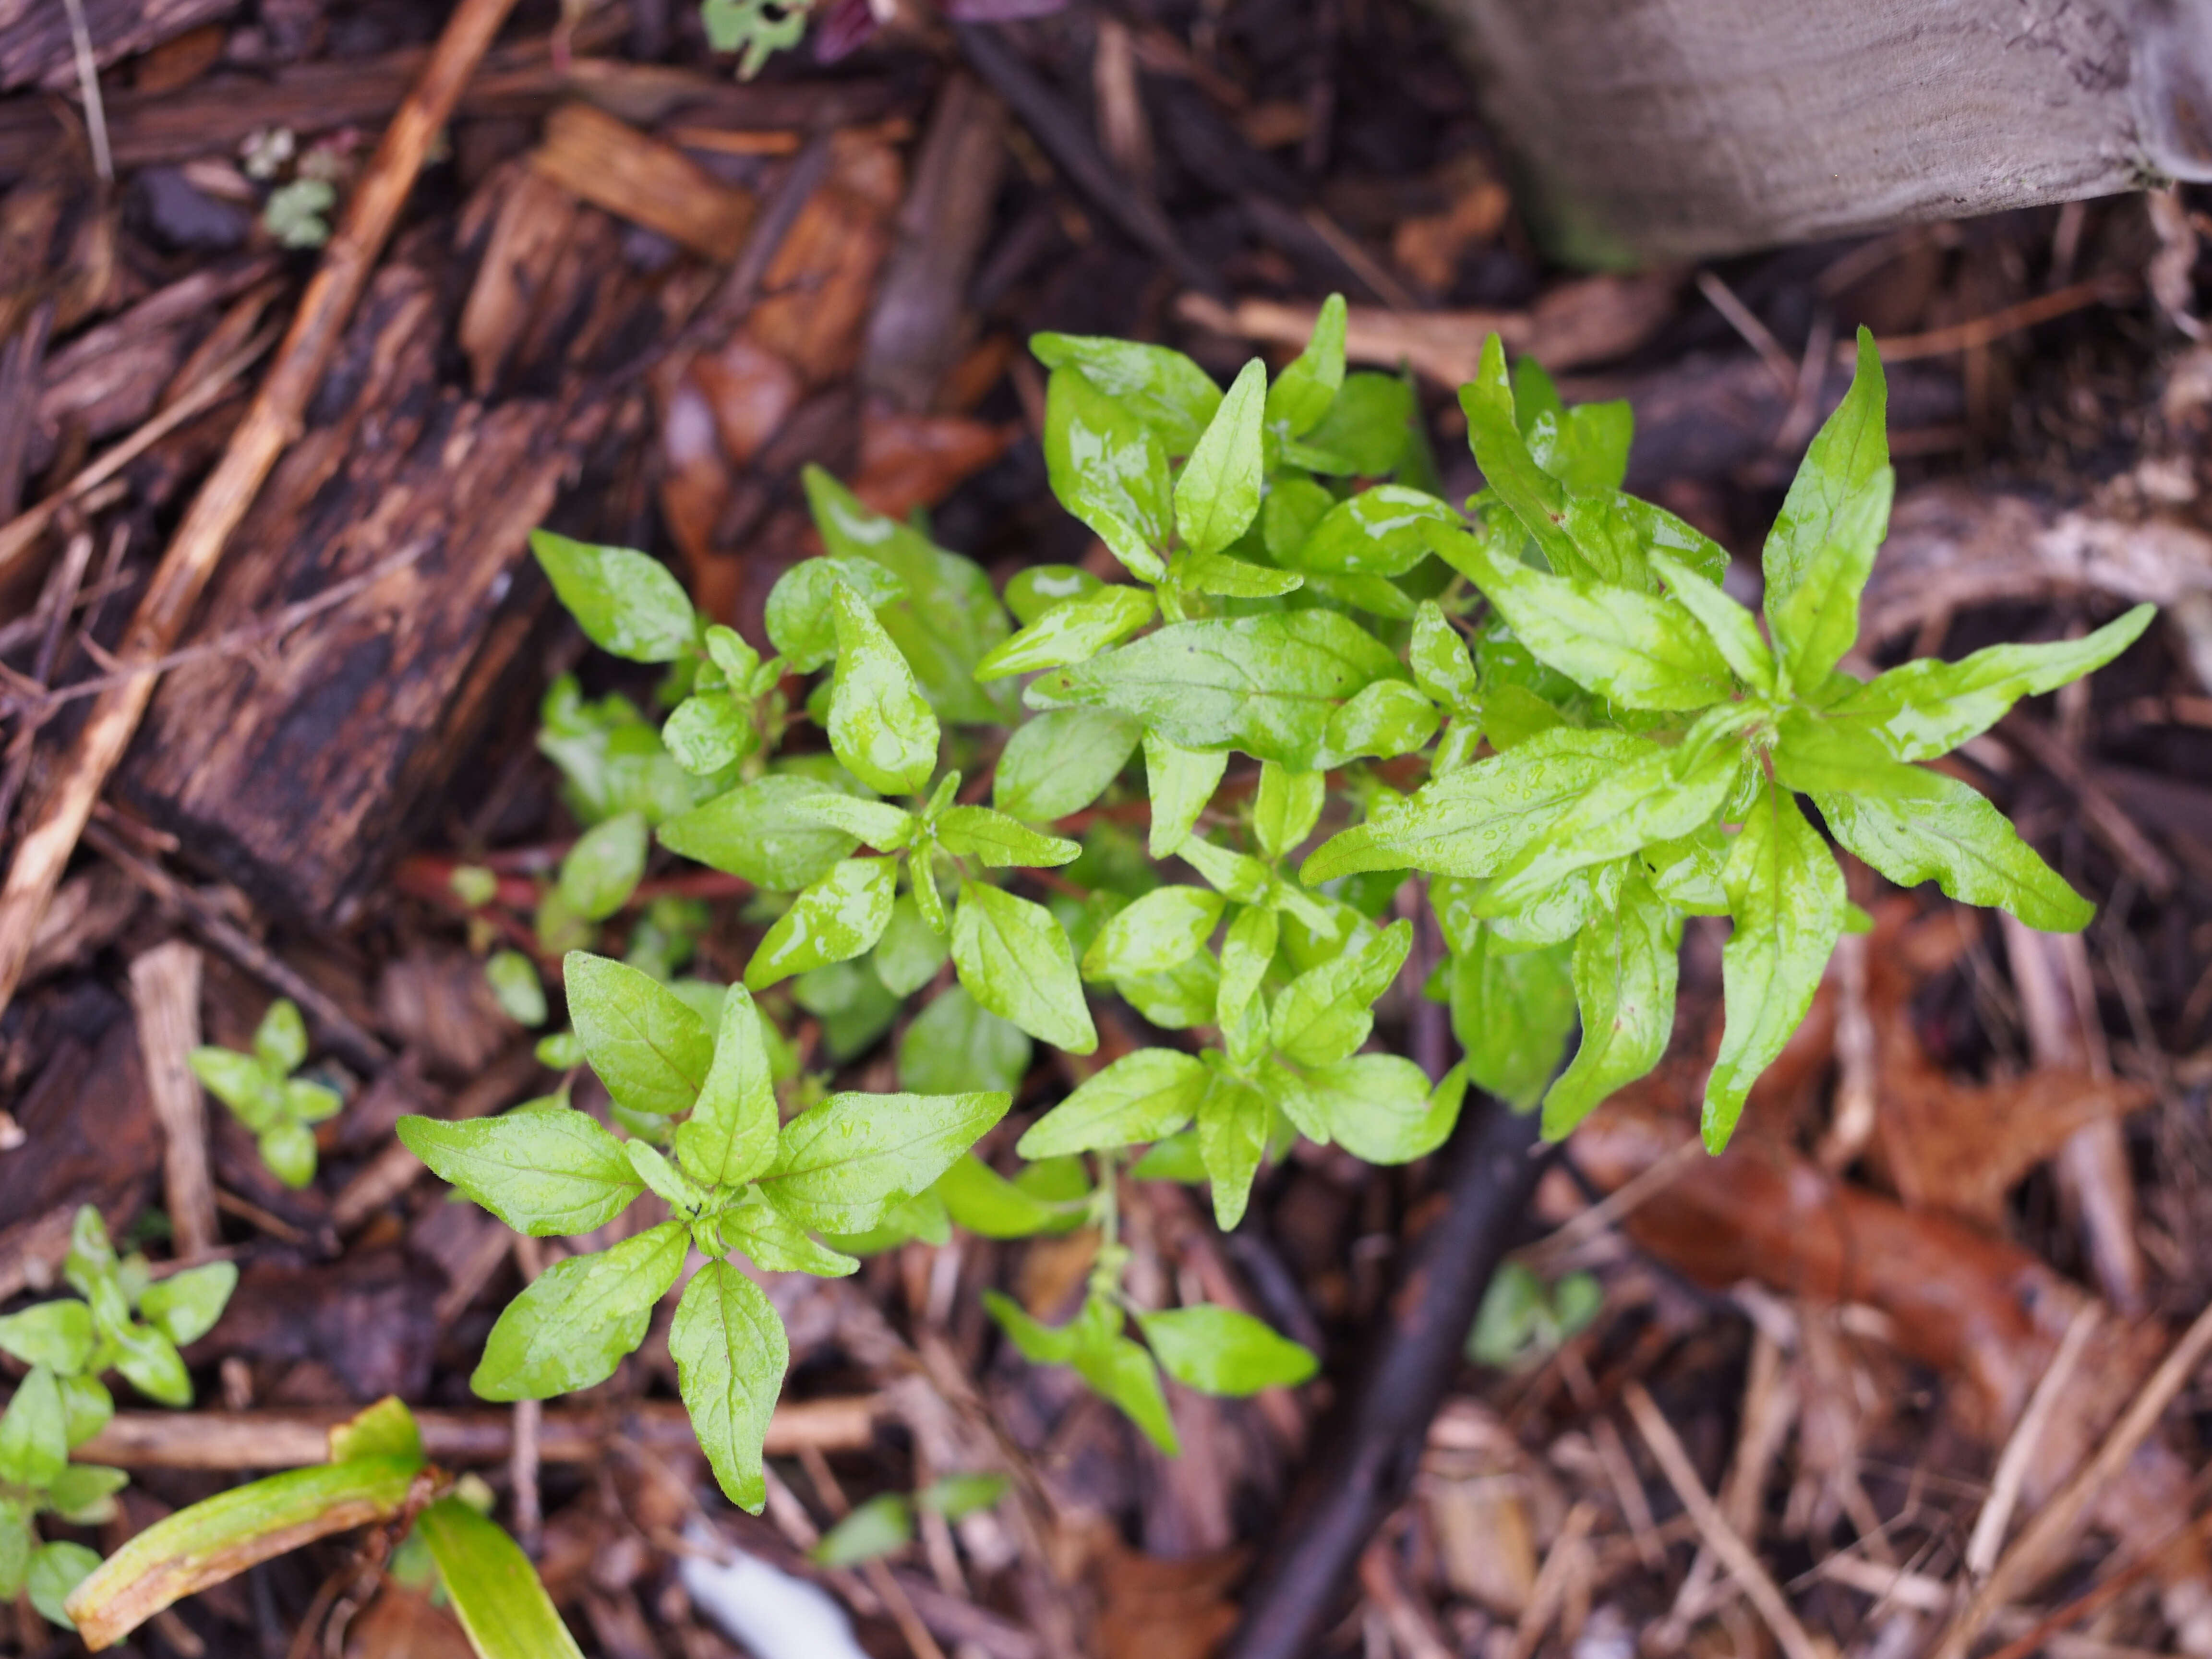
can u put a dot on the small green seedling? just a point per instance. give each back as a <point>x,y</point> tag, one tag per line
<point>1523,1320</point>
<point>377,1475</point>
<point>263,1093</point>
<point>1540,700</point>
<point>129,1321</point>
<point>885,1524</point>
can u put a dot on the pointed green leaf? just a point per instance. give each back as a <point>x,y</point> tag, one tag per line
<point>1828,508</point>
<point>876,823</point>
<point>910,952</point>
<point>1511,1012</point>
<point>1035,589</point>
<point>709,730</point>
<point>55,1570</point>
<point>150,1362</point>
<point>1162,388</point>
<point>1219,1351</point>
<point>986,1204</point>
<point>1381,532</point>
<point>56,1335</point>
<point>572,1325</point>
<point>540,1173</point>
<point>605,865</point>
<point>1061,763</point>
<point>775,1242</point>
<point>280,1041</point>
<point>184,1307</point>
<point>1286,806</point>
<point>1181,782</point>
<point>844,1160</point>
<point>1038,1343</point>
<point>625,602</point>
<point>998,842</point>
<point>1537,500</point>
<point>957,1044</point>
<point>1120,1371</point>
<point>1145,1096</point>
<point>34,1435</point>
<point>1442,666</point>
<point>84,1494</point>
<point>1385,719</point>
<point>731,1136</point>
<point>1326,1012</point>
<point>1015,959</point>
<point>1378,1107</point>
<point>1733,631</point>
<point>1786,894</point>
<point>1110,469</point>
<point>496,1592</point>
<point>1952,836</point>
<point>883,1526</point>
<point>1233,1120</point>
<point>1218,495</point>
<point>840,917</point>
<point>1624,966</point>
<point>1072,630</point>
<point>880,724</point>
<point>731,1354</point>
<point>647,1047</point>
<point>763,832</point>
<point>1156,932</point>
<point>801,623</point>
<point>1303,390</point>
<point>1234,579</point>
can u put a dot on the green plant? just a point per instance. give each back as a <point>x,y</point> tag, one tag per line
<point>885,1524</point>
<point>1524,1319</point>
<point>377,1475</point>
<point>263,1093</point>
<point>1545,704</point>
<point>61,1402</point>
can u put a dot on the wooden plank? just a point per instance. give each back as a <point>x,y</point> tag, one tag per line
<point>1651,129</point>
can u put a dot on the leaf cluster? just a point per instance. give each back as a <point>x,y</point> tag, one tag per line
<point>259,1087</point>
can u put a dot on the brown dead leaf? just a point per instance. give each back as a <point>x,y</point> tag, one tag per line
<point>908,461</point>
<point>402,1624</point>
<point>1429,248</point>
<point>749,391</point>
<point>1961,1147</point>
<point>817,289</point>
<point>1156,1608</point>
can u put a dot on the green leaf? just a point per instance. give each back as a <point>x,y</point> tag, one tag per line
<point>184,1307</point>
<point>1786,894</point>
<point>1156,932</point>
<point>513,980</point>
<point>1060,763</point>
<point>647,1047</point>
<point>1367,432</point>
<point>731,1354</point>
<point>1120,1371</point>
<point>1234,579</point>
<point>1303,390</point>
<point>56,1570</point>
<point>764,833</point>
<point>84,1494</point>
<point>280,1041</point>
<point>840,917</point>
<point>1628,646</point>
<point>1266,684</point>
<point>56,1335</point>
<point>988,1204</point>
<point>1145,1096</point>
<point>605,865</point>
<point>876,824</point>
<point>910,952</point>
<point>882,1526</point>
<point>1218,495</point>
<point>776,1242</point>
<point>1246,953</point>
<point>1326,1012</point>
<point>998,842</point>
<point>1733,631</point>
<point>844,1160</point>
<point>1952,836</point>
<point>150,1362</point>
<point>16,1542</point>
<point>1036,588</point>
<point>311,1102</point>
<point>1511,1012</point>
<point>1038,1343</point>
<point>495,1590</point>
<point>1586,447</point>
<point>1537,499</point>
<point>880,724</point>
<point>801,623</point>
<point>1442,666</point>
<point>1381,532</point>
<point>1239,876</point>
<point>1378,1106</point>
<point>1177,1159</point>
<point>1387,718</point>
<point>385,1428</point>
<point>1819,620</point>
<point>86,1407</point>
<point>1923,709</point>
<point>957,1044</point>
<point>289,1150</point>
<point>1110,469</point>
<point>1831,506</point>
<point>34,1435</point>
<point>1162,388</point>
<point>239,1081</point>
<point>954,1496</point>
<point>1219,1351</point>
<point>1015,959</point>
<point>1179,998</point>
<point>1287,806</point>
<point>625,602</point>
<point>572,1325</point>
<point>731,1136</point>
<point>1182,780</point>
<point>1624,966</point>
<point>709,730</point>
<point>1072,630</point>
<point>1233,1119</point>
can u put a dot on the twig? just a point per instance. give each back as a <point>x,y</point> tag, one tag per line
<point>271,626</point>
<point>1985,331</point>
<point>88,79</point>
<point>1719,1536</point>
<point>354,1045</point>
<point>2055,1521</point>
<point>1551,1586</point>
<point>165,994</point>
<point>1760,338</point>
<point>1988,1536</point>
<point>223,501</point>
<point>580,1434</point>
<point>2105,819</point>
<point>2099,1595</point>
<point>1617,1205</point>
<point>522,1461</point>
<point>1372,1443</point>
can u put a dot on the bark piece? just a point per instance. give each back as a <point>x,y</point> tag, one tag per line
<point>165,993</point>
<point>614,166</point>
<point>35,47</point>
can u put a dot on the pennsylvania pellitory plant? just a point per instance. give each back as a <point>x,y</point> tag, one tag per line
<point>1546,704</point>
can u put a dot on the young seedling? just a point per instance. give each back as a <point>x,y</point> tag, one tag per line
<point>1542,701</point>
<point>263,1093</point>
<point>129,1321</point>
<point>885,1524</point>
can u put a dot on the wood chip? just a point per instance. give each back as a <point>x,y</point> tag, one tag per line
<point>165,993</point>
<point>613,165</point>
